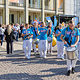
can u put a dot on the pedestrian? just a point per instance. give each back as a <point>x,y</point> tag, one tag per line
<point>70,37</point>
<point>9,37</point>
<point>27,35</point>
<point>21,28</point>
<point>60,44</point>
<point>1,34</point>
<point>35,34</point>
<point>50,37</point>
<point>16,31</point>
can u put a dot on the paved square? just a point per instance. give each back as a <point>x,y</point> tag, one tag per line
<point>15,67</point>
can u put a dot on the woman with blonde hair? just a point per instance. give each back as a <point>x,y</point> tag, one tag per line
<point>9,39</point>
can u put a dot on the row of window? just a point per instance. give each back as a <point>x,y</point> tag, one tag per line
<point>49,4</point>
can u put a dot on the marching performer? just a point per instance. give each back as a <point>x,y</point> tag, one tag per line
<point>27,35</point>
<point>43,40</point>
<point>70,37</point>
<point>60,44</point>
<point>50,37</point>
<point>35,33</point>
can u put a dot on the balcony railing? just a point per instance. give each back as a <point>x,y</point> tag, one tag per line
<point>48,8</point>
<point>2,3</point>
<point>34,6</point>
<point>60,9</point>
<point>16,4</point>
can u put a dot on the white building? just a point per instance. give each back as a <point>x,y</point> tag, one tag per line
<point>24,11</point>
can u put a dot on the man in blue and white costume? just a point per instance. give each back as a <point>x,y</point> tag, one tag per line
<point>70,37</point>
<point>43,40</point>
<point>50,37</point>
<point>60,44</point>
<point>35,34</point>
<point>27,35</point>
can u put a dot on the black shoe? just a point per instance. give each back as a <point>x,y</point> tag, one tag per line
<point>11,52</point>
<point>68,73</point>
<point>32,50</point>
<point>73,70</point>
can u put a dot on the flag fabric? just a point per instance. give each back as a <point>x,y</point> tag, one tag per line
<point>75,20</point>
<point>39,22</point>
<point>55,21</point>
<point>60,4</point>
<point>49,20</point>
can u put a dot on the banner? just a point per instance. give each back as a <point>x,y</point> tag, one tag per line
<point>55,21</point>
<point>75,20</point>
<point>60,4</point>
<point>49,20</point>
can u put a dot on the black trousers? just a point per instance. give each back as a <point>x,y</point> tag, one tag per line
<point>9,47</point>
<point>1,38</point>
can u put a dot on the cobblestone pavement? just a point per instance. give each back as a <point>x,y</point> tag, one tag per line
<point>15,67</point>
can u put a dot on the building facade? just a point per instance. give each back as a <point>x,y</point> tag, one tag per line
<point>77,9</point>
<point>24,11</point>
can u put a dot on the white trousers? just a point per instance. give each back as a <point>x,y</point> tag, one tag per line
<point>78,47</point>
<point>60,49</point>
<point>28,44</point>
<point>71,63</point>
<point>49,48</point>
<point>34,47</point>
<point>39,47</point>
<point>43,48</point>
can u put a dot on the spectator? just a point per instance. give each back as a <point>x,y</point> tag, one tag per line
<point>9,39</point>
<point>1,34</point>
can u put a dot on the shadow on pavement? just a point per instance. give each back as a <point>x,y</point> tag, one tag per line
<point>19,76</point>
<point>2,51</point>
<point>77,69</point>
<point>19,59</point>
<point>56,71</point>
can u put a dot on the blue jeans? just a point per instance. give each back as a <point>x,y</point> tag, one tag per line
<point>17,35</point>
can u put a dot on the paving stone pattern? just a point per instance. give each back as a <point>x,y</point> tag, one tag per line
<point>16,67</point>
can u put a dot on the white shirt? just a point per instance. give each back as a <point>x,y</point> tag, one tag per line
<point>2,31</point>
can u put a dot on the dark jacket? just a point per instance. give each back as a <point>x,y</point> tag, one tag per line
<point>9,38</point>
